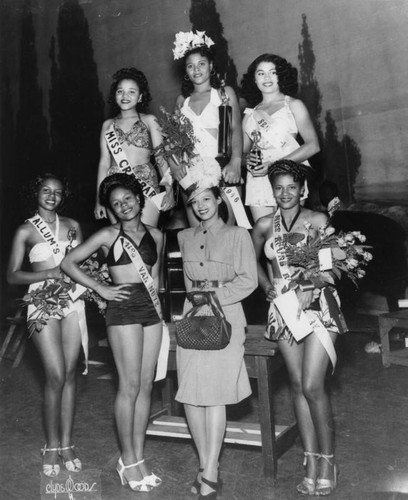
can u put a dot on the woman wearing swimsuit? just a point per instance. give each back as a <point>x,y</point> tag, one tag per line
<point>270,86</point>
<point>133,325</point>
<point>307,360</point>
<point>199,102</point>
<point>136,134</point>
<point>59,341</point>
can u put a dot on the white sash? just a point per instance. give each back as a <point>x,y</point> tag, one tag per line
<point>123,164</point>
<point>42,227</point>
<point>318,327</point>
<point>237,207</point>
<point>148,282</point>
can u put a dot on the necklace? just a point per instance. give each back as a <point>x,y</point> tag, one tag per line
<point>295,218</point>
<point>47,221</point>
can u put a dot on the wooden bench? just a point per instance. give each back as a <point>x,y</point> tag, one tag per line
<point>386,322</point>
<point>263,360</point>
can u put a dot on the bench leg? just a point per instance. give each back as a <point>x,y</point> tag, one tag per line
<point>266,417</point>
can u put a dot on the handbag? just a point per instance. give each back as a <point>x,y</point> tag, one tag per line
<point>204,333</point>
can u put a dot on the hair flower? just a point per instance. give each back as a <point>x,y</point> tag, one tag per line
<point>188,40</point>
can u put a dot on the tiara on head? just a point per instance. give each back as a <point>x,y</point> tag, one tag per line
<point>187,40</point>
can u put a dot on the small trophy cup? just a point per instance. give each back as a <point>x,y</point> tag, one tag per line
<point>255,149</point>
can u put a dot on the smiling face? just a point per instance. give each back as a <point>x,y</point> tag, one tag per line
<point>205,205</point>
<point>127,94</point>
<point>50,194</point>
<point>266,78</point>
<point>198,68</point>
<point>287,192</point>
<point>124,203</point>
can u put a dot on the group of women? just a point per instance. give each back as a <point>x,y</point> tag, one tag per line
<point>219,259</point>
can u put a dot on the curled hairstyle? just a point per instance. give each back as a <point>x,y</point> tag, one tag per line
<point>141,81</point>
<point>286,73</point>
<point>124,181</point>
<point>31,189</point>
<point>296,170</point>
<point>187,86</point>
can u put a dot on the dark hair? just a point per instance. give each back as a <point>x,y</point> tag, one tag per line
<point>187,86</point>
<point>141,80</point>
<point>286,73</point>
<point>30,191</point>
<point>115,181</point>
<point>298,171</point>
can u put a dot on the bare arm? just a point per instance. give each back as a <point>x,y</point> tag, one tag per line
<point>178,171</point>
<point>306,130</point>
<point>103,167</point>
<point>71,266</point>
<point>258,235</point>
<point>232,171</point>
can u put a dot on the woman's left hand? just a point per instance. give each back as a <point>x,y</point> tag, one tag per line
<point>231,173</point>
<point>305,299</point>
<point>168,200</point>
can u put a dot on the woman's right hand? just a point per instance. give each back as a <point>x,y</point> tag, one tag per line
<point>114,292</point>
<point>55,273</point>
<point>100,211</point>
<point>255,169</point>
<point>270,293</point>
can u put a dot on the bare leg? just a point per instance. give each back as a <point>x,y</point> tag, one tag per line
<point>126,342</point>
<point>196,418</point>
<point>215,430</point>
<point>152,336</point>
<point>151,214</point>
<point>49,345</point>
<point>315,363</point>
<point>258,212</point>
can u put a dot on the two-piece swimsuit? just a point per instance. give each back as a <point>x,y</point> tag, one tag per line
<point>139,137</point>
<point>138,308</point>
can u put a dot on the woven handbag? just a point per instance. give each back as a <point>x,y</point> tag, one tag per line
<point>204,333</point>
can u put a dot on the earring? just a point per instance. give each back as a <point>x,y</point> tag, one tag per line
<point>140,98</point>
<point>186,78</point>
<point>212,72</point>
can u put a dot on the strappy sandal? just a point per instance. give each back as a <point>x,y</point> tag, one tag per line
<point>133,484</point>
<point>216,486</point>
<point>74,465</point>
<point>195,487</point>
<point>308,485</point>
<point>50,470</point>
<point>151,479</point>
<point>325,487</point>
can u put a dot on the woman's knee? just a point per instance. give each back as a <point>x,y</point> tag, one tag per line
<point>55,380</point>
<point>130,388</point>
<point>313,390</point>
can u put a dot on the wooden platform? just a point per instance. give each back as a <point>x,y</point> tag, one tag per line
<point>263,361</point>
<point>386,322</point>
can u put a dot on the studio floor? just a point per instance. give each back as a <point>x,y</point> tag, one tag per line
<point>370,405</point>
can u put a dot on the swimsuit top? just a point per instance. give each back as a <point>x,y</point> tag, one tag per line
<point>138,135</point>
<point>209,116</point>
<point>146,248</point>
<point>292,238</point>
<point>41,252</point>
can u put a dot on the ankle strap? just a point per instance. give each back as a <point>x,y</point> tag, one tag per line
<point>211,484</point>
<point>327,458</point>
<point>67,448</point>
<point>140,462</point>
<point>45,449</point>
<point>309,454</point>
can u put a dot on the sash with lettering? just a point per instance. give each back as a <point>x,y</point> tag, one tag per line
<point>318,327</point>
<point>124,243</point>
<point>123,164</point>
<point>48,236</point>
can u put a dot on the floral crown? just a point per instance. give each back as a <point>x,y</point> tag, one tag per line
<point>187,40</point>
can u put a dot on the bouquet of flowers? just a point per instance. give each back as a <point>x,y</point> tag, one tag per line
<point>348,255</point>
<point>178,136</point>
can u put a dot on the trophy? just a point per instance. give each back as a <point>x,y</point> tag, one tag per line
<point>255,149</point>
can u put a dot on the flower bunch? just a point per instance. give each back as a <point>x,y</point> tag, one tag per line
<point>98,272</point>
<point>49,299</point>
<point>348,255</point>
<point>178,136</point>
<point>187,40</point>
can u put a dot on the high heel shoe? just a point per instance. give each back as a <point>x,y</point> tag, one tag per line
<point>216,486</point>
<point>133,485</point>
<point>50,470</point>
<point>74,465</point>
<point>308,485</point>
<point>324,486</point>
<point>195,487</point>
<point>151,479</point>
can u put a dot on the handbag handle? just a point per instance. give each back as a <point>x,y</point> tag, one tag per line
<point>214,304</point>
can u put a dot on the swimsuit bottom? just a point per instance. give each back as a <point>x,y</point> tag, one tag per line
<point>144,172</point>
<point>137,309</point>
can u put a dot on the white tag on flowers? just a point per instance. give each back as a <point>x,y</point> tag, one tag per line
<point>288,305</point>
<point>325,259</point>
